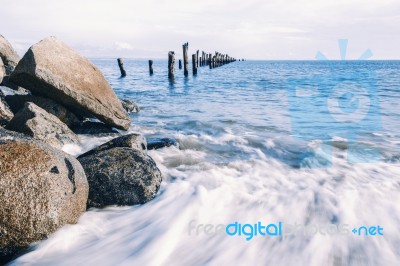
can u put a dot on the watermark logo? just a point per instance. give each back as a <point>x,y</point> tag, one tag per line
<point>342,103</point>
<point>279,229</point>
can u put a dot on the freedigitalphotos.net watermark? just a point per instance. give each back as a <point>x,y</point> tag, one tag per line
<point>280,229</point>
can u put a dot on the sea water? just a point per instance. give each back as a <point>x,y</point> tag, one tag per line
<point>243,158</point>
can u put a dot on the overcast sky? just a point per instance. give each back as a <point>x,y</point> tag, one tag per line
<point>252,29</point>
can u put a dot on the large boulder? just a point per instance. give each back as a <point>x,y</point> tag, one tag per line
<point>5,113</point>
<point>2,71</point>
<point>17,102</point>
<point>41,189</point>
<point>133,141</point>
<point>120,176</point>
<point>8,55</point>
<point>37,123</point>
<point>52,69</point>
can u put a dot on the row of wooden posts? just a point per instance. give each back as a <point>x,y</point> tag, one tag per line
<point>213,61</point>
<point>206,59</point>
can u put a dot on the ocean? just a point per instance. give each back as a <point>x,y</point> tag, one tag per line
<point>252,151</point>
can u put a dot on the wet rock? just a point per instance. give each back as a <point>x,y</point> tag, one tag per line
<point>94,128</point>
<point>120,176</point>
<point>129,106</point>
<point>37,123</point>
<point>17,102</point>
<point>133,141</point>
<point>8,55</point>
<point>5,112</point>
<point>41,189</point>
<point>52,69</point>
<point>158,143</point>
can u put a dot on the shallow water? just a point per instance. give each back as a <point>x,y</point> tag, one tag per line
<point>243,158</point>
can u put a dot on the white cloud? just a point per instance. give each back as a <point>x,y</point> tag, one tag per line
<point>275,29</point>
<point>123,46</point>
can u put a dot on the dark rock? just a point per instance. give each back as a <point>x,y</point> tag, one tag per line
<point>37,123</point>
<point>5,113</point>
<point>129,106</point>
<point>41,189</point>
<point>8,55</point>
<point>158,143</point>
<point>52,69</point>
<point>133,141</point>
<point>17,102</point>
<point>94,128</point>
<point>7,83</point>
<point>120,176</point>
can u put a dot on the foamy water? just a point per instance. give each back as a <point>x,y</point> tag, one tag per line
<point>239,161</point>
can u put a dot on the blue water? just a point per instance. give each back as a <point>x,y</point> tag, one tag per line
<point>251,99</point>
<point>251,151</point>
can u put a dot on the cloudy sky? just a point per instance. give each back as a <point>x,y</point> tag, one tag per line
<point>252,29</point>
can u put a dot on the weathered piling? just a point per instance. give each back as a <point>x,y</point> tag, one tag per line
<point>201,60</point>
<point>121,67</point>
<point>204,59</point>
<point>171,63</point>
<point>194,64</point>
<point>185,59</point>
<point>151,67</point>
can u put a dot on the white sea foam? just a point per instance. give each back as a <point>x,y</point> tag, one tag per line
<point>260,188</point>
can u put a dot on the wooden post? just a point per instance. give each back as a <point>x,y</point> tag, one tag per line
<point>121,67</point>
<point>200,59</point>
<point>171,63</point>
<point>197,58</point>
<point>185,59</point>
<point>209,60</point>
<point>180,64</point>
<point>194,64</point>
<point>151,67</point>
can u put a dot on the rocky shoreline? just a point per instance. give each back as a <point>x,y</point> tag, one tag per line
<point>48,97</point>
